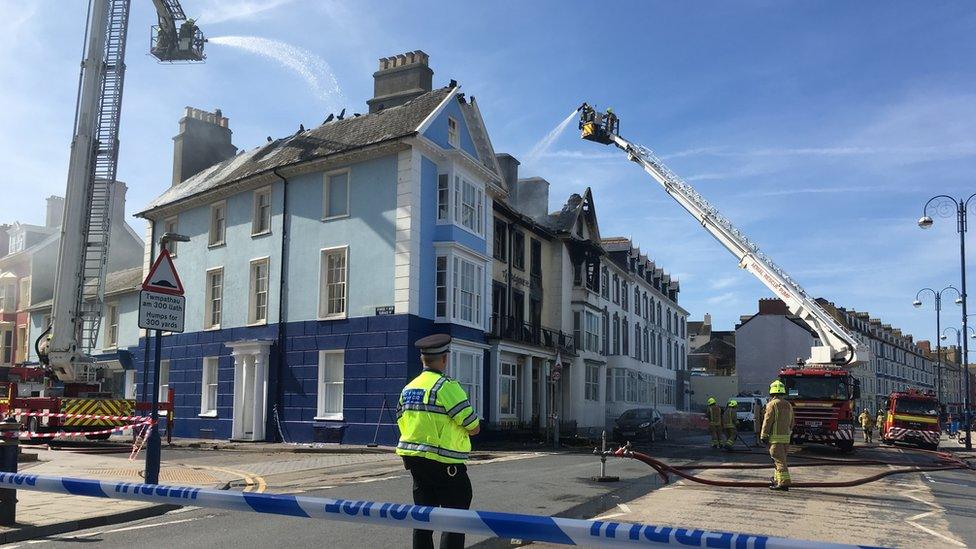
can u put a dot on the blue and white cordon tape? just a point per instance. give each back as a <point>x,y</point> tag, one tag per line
<point>485,523</point>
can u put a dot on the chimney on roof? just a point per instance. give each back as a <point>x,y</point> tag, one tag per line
<point>772,306</point>
<point>55,212</point>
<point>533,197</point>
<point>4,239</point>
<point>509,166</point>
<point>204,140</point>
<point>400,79</point>
<point>118,201</point>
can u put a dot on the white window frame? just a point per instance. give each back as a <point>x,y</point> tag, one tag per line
<point>453,133</point>
<point>252,296</point>
<point>111,325</point>
<point>457,181</point>
<point>326,182</point>
<point>163,381</point>
<point>7,328</point>
<point>129,383</point>
<point>321,412</point>
<point>473,387</point>
<point>324,283</point>
<point>212,241</point>
<point>22,349</point>
<point>208,321</point>
<point>591,387</point>
<point>258,216</point>
<point>591,331</point>
<point>23,293</point>
<point>172,225</point>
<point>455,256</point>
<point>8,295</point>
<point>209,378</point>
<point>508,380</point>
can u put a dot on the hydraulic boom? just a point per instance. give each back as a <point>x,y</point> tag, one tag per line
<point>838,345</point>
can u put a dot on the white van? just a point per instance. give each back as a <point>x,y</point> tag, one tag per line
<point>744,415</point>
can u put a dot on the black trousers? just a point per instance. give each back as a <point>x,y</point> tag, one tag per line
<point>439,485</point>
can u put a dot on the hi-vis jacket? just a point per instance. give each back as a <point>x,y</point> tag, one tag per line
<point>435,417</point>
<point>778,422</point>
<point>714,414</point>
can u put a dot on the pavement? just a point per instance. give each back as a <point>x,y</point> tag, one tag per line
<point>932,509</point>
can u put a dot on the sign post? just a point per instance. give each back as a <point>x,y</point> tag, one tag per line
<point>161,308</point>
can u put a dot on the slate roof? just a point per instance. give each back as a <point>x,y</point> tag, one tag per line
<point>116,282</point>
<point>328,139</point>
<point>565,219</point>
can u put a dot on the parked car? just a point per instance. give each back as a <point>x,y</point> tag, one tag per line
<point>640,424</point>
<point>744,417</point>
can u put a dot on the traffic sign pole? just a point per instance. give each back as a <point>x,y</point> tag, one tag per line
<point>154,445</point>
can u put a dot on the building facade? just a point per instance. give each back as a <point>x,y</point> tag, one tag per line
<point>336,248</point>
<point>768,341</point>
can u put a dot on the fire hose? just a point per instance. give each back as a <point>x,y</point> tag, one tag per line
<point>949,463</point>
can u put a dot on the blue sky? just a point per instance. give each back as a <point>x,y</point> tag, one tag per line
<point>819,130</point>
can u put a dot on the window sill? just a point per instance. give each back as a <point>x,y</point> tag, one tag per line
<point>111,349</point>
<point>213,328</point>
<point>262,233</point>
<point>343,316</point>
<point>212,414</point>
<point>329,417</point>
<point>258,323</point>
<point>216,245</point>
<point>334,217</point>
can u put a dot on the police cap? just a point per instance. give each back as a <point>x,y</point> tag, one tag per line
<point>434,345</point>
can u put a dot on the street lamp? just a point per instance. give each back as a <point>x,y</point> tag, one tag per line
<point>944,205</point>
<point>938,327</point>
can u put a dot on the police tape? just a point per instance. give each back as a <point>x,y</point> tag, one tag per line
<point>78,416</point>
<point>539,528</point>
<point>106,431</point>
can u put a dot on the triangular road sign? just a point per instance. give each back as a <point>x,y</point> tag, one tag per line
<point>162,277</point>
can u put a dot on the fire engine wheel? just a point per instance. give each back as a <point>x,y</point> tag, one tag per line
<point>846,446</point>
<point>100,436</point>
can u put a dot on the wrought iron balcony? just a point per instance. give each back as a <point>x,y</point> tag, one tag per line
<point>511,329</point>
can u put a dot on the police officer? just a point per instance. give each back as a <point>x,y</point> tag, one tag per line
<point>714,415</point>
<point>776,430</point>
<point>728,423</point>
<point>436,420</point>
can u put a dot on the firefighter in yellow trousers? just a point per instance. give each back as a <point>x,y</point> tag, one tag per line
<point>728,423</point>
<point>714,415</point>
<point>867,424</point>
<point>776,430</point>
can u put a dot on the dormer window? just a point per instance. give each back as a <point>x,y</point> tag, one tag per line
<point>17,241</point>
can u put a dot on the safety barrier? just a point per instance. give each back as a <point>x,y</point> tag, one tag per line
<point>78,416</point>
<point>106,431</point>
<point>484,523</point>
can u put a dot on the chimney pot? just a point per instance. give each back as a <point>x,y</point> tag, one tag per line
<point>204,139</point>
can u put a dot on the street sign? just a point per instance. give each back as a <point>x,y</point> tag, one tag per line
<point>161,311</point>
<point>162,278</point>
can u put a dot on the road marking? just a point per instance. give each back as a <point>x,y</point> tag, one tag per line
<point>610,516</point>
<point>624,507</point>
<point>937,534</point>
<point>922,515</point>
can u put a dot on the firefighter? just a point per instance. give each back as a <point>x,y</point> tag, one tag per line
<point>757,413</point>
<point>776,430</point>
<point>879,423</point>
<point>728,423</point>
<point>714,414</point>
<point>867,423</point>
<point>436,421</point>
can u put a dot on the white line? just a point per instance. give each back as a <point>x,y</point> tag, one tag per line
<point>624,507</point>
<point>934,533</point>
<point>929,503</point>
<point>922,515</point>
<point>610,516</point>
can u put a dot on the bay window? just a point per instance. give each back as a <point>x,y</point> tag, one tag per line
<point>459,287</point>
<point>465,367</point>
<point>462,203</point>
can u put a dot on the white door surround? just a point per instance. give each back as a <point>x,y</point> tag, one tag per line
<point>250,388</point>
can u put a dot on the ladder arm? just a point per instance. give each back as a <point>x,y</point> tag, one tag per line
<point>838,344</point>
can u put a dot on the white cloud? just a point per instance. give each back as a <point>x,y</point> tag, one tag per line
<point>219,11</point>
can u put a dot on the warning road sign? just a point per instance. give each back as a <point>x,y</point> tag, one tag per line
<point>162,277</point>
<point>161,311</point>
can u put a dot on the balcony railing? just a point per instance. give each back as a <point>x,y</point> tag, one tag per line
<point>512,329</point>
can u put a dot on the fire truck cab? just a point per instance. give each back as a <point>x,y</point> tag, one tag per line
<point>823,404</point>
<point>911,417</point>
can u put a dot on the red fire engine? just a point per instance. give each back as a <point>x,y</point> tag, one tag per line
<point>911,417</point>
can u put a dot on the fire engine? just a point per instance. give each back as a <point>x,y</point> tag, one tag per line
<point>911,417</point>
<point>74,386</point>
<point>821,387</point>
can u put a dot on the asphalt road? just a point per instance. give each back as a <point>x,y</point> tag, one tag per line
<point>547,485</point>
<point>955,492</point>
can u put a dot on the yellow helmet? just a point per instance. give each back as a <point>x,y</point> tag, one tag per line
<point>710,401</point>
<point>777,388</point>
<point>733,403</point>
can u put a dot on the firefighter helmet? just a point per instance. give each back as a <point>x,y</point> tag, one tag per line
<point>710,401</point>
<point>777,388</point>
<point>733,403</point>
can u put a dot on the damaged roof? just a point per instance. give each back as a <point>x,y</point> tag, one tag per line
<point>328,139</point>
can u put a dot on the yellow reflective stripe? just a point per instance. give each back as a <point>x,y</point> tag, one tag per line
<point>920,419</point>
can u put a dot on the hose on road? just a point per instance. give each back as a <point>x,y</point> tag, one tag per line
<point>949,463</point>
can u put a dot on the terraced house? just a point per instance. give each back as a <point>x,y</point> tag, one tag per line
<point>315,260</point>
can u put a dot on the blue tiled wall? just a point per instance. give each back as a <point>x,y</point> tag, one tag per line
<point>379,358</point>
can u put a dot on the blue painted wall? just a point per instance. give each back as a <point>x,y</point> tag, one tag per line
<point>437,131</point>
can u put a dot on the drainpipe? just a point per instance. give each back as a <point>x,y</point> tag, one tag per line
<point>145,350</point>
<point>282,303</point>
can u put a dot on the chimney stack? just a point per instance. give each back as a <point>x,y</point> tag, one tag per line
<point>400,79</point>
<point>118,201</point>
<point>509,166</point>
<point>55,212</point>
<point>204,140</point>
<point>533,197</point>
